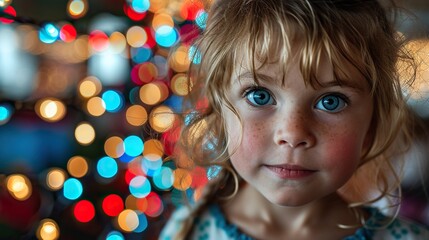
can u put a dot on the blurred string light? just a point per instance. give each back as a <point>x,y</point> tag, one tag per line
<point>156,84</point>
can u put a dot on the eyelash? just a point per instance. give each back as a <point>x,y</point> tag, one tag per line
<point>248,91</point>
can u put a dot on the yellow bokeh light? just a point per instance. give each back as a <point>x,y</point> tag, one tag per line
<point>89,87</point>
<point>128,220</point>
<point>96,106</point>
<point>114,147</point>
<point>153,147</point>
<point>162,19</point>
<point>48,230</point>
<point>179,84</point>
<point>161,119</point>
<point>118,42</point>
<point>50,109</point>
<point>136,115</point>
<point>136,36</point>
<point>182,179</point>
<point>77,8</point>
<point>19,186</point>
<point>153,93</point>
<point>84,133</point>
<point>55,178</point>
<point>179,60</point>
<point>77,166</point>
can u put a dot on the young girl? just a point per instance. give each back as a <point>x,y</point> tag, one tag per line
<point>298,104</point>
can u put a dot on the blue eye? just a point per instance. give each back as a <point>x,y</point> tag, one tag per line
<point>259,97</point>
<point>331,103</point>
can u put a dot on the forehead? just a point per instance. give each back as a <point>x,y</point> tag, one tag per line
<point>321,72</point>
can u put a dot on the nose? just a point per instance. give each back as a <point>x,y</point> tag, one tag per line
<point>294,130</point>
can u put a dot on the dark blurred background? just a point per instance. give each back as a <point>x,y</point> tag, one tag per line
<point>84,85</point>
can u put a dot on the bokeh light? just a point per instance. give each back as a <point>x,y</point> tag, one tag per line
<point>166,36</point>
<point>77,166</point>
<point>77,8</point>
<point>19,186</point>
<point>179,60</point>
<point>68,33</point>
<point>84,211</point>
<point>140,6</point>
<point>107,167</point>
<point>72,189</point>
<point>153,93</point>
<point>114,147</point>
<point>133,145</point>
<point>55,178</point>
<point>154,205</point>
<point>163,179</point>
<point>180,84</point>
<point>96,106</point>
<point>161,118</point>
<point>49,33</point>
<point>136,115</point>
<point>113,100</point>
<point>115,235</point>
<point>128,220</point>
<point>51,109</point>
<point>182,179</point>
<point>84,133</point>
<point>136,36</point>
<point>153,147</point>
<point>90,86</point>
<point>113,205</point>
<point>140,186</point>
<point>48,230</point>
<point>6,111</point>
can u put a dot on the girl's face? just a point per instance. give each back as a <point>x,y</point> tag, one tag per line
<point>299,143</point>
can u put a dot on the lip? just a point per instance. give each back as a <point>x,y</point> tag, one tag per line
<point>288,171</point>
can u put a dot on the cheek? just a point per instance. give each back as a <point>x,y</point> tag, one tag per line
<point>344,153</point>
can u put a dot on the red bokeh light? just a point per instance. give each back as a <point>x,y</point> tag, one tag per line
<point>68,33</point>
<point>84,211</point>
<point>113,205</point>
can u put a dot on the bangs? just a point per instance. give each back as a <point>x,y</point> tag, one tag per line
<point>272,36</point>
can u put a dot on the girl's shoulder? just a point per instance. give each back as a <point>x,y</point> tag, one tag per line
<point>211,224</point>
<point>380,226</point>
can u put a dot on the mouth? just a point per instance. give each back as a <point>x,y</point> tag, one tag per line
<point>286,171</point>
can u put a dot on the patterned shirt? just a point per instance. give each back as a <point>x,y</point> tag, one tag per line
<point>212,225</point>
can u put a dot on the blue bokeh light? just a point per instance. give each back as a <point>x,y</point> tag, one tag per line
<point>115,235</point>
<point>166,36</point>
<point>107,167</point>
<point>141,55</point>
<point>140,6</point>
<point>113,100</point>
<point>49,33</point>
<point>163,179</point>
<point>133,145</point>
<point>140,187</point>
<point>72,189</point>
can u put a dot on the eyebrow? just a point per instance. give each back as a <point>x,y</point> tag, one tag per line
<point>333,83</point>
